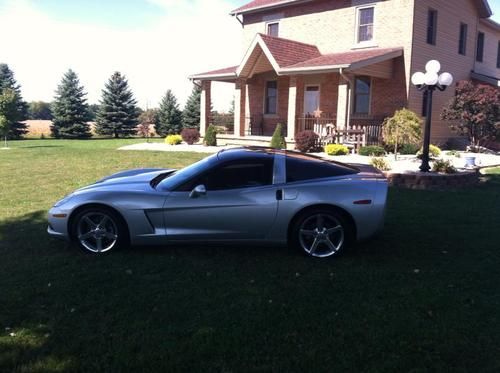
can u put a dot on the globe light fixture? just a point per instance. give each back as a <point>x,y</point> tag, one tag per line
<point>428,82</point>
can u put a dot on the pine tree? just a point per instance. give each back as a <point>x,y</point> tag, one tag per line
<point>118,113</point>
<point>7,81</point>
<point>191,114</point>
<point>169,116</point>
<point>70,109</point>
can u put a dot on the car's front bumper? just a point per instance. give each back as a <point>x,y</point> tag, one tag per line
<point>58,223</point>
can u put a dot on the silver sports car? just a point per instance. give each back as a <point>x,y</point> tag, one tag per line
<point>237,195</point>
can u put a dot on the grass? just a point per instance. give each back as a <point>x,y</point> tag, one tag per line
<point>423,296</point>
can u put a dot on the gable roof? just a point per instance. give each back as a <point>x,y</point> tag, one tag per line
<point>288,57</point>
<point>257,5</point>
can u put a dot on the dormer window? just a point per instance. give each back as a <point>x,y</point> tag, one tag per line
<point>365,22</point>
<point>273,29</point>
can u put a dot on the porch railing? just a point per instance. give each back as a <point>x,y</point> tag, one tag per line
<point>316,124</point>
<point>224,122</point>
<point>372,127</point>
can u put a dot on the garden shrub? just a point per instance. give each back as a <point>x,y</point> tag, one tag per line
<point>443,166</point>
<point>336,149</point>
<point>409,149</point>
<point>434,152</point>
<point>306,141</point>
<point>211,136</point>
<point>453,153</point>
<point>173,139</point>
<point>372,150</point>
<point>278,141</point>
<point>190,135</point>
<point>380,163</point>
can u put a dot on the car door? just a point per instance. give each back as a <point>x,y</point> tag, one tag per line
<point>239,202</point>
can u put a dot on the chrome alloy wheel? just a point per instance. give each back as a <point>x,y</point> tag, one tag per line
<point>321,235</point>
<point>97,232</point>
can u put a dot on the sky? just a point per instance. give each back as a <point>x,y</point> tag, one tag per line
<point>157,44</point>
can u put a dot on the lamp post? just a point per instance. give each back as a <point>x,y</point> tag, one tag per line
<point>428,82</point>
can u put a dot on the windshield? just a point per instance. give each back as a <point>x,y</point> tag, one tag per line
<point>186,173</point>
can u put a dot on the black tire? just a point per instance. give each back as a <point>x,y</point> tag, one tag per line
<point>88,222</point>
<point>331,237</point>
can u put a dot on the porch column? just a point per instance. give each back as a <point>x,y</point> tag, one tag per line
<point>292,108</point>
<point>205,104</point>
<point>246,128</point>
<point>343,104</point>
<point>239,107</point>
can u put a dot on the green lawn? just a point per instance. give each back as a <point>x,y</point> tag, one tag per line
<point>424,296</point>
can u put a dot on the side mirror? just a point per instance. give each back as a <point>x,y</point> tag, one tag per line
<point>198,191</point>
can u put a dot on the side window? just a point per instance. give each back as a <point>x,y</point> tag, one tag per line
<point>432,17</point>
<point>300,168</point>
<point>362,95</point>
<point>462,42</point>
<point>480,47</point>
<point>273,29</point>
<point>235,175</point>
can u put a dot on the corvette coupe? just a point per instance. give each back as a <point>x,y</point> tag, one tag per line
<point>237,195</point>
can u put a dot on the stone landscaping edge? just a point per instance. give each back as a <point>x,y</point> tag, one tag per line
<point>434,181</point>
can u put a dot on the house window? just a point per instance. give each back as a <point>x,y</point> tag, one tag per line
<point>498,55</point>
<point>480,47</point>
<point>311,100</point>
<point>362,95</point>
<point>365,24</point>
<point>432,17</point>
<point>271,97</point>
<point>462,44</point>
<point>273,29</point>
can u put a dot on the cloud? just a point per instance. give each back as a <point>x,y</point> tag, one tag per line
<point>187,37</point>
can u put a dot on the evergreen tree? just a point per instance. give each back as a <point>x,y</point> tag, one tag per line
<point>169,116</point>
<point>191,114</point>
<point>7,81</point>
<point>118,112</point>
<point>70,109</point>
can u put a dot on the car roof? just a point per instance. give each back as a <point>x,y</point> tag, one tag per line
<point>263,151</point>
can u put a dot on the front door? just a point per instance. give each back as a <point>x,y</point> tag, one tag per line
<point>240,203</point>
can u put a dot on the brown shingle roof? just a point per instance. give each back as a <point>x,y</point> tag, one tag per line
<point>345,58</point>
<point>289,52</point>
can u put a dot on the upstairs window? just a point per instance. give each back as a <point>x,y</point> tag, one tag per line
<point>273,29</point>
<point>365,24</point>
<point>271,104</point>
<point>498,55</point>
<point>362,90</point>
<point>432,17</point>
<point>480,47</point>
<point>462,44</point>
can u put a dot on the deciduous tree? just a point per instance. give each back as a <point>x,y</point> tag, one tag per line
<point>402,128</point>
<point>474,112</point>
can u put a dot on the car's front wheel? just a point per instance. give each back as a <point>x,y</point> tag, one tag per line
<point>321,233</point>
<point>98,230</point>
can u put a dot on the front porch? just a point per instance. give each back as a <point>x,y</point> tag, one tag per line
<point>333,95</point>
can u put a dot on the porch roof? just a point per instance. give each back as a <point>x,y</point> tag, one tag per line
<point>289,57</point>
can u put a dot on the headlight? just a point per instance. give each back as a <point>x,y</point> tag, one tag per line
<point>64,200</point>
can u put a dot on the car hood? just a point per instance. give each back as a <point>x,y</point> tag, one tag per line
<point>136,179</point>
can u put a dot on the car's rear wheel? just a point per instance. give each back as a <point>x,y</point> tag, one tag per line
<point>98,230</point>
<point>321,233</point>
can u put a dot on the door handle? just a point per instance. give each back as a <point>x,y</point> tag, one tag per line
<point>279,195</point>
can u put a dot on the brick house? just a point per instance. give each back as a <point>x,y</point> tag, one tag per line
<point>314,64</point>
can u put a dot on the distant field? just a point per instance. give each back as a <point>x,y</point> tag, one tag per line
<point>37,128</point>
